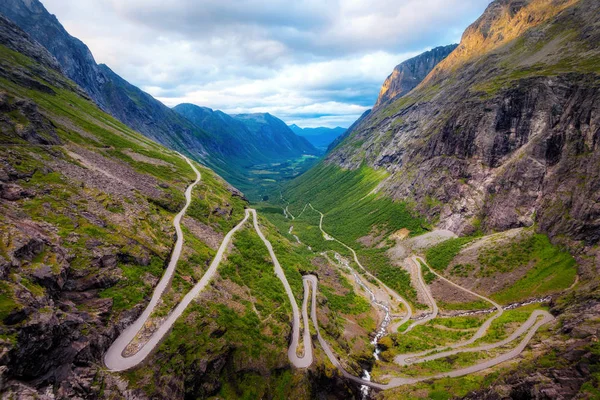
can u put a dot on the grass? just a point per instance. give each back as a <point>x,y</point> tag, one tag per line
<point>132,290</point>
<point>428,276</point>
<point>440,255</point>
<point>501,327</point>
<point>551,270</point>
<point>461,322</point>
<point>423,337</point>
<point>8,303</point>
<point>350,303</point>
<point>251,266</point>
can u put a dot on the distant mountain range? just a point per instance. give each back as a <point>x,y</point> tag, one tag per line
<point>209,140</point>
<point>253,138</point>
<point>320,137</point>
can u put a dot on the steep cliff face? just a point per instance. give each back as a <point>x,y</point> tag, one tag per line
<point>76,60</point>
<point>504,132</point>
<point>407,75</point>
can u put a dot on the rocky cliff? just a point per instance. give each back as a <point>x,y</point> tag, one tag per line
<point>408,74</point>
<point>504,132</point>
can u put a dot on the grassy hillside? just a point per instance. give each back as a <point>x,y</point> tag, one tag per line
<point>86,211</point>
<point>353,214</point>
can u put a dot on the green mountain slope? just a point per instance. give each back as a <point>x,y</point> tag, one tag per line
<point>86,230</point>
<point>226,150</point>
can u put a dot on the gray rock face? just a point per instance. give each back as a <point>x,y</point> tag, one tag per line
<point>407,75</point>
<point>37,130</point>
<point>492,139</point>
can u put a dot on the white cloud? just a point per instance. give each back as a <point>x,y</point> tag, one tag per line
<point>305,60</point>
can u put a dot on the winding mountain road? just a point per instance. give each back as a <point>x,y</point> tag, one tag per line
<point>116,361</point>
<point>114,358</point>
<point>529,328</point>
<point>433,304</point>
<point>307,359</point>
<point>391,292</point>
<point>406,359</point>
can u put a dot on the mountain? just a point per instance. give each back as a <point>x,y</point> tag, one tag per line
<point>224,150</point>
<point>87,214</point>
<point>408,74</point>
<point>320,137</point>
<point>492,126</point>
<point>113,94</point>
<point>500,145</point>
<point>258,139</point>
<point>260,150</point>
<point>405,77</point>
<point>276,137</point>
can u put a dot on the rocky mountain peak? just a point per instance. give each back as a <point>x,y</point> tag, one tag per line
<point>502,22</point>
<point>407,75</point>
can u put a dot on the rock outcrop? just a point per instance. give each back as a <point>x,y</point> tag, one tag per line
<point>504,132</point>
<point>408,74</point>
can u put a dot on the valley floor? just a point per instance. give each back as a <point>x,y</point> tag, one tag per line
<point>472,341</point>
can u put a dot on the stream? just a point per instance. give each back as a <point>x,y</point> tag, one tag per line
<point>380,332</point>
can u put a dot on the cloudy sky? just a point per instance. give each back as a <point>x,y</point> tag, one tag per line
<point>309,62</point>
